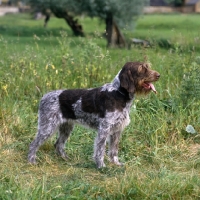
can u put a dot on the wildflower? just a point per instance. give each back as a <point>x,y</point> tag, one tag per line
<point>4,87</point>
<point>83,84</point>
<point>48,84</point>
<point>36,37</point>
<point>69,72</point>
<point>35,102</point>
<point>9,191</point>
<point>74,83</point>
<point>53,67</point>
<point>34,72</point>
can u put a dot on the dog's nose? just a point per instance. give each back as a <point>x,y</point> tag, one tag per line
<point>158,76</point>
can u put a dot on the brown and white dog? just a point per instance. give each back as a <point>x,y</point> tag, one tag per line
<point>105,109</point>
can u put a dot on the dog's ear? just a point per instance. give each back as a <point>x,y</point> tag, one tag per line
<point>140,68</point>
<point>127,81</point>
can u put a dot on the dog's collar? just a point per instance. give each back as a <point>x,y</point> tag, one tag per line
<point>121,92</point>
<point>130,96</point>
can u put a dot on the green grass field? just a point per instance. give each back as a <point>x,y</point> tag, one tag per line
<point>162,159</point>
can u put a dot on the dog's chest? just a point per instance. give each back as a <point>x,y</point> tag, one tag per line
<point>118,120</point>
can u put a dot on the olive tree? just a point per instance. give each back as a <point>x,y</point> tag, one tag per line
<point>116,14</point>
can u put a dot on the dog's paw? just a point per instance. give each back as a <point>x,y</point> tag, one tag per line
<point>100,165</point>
<point>115,161</point>
<point>32,160</point>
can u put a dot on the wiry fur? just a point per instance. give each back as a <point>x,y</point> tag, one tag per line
<point>105,109</point>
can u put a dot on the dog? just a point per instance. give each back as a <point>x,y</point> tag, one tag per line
<point>105,109</point>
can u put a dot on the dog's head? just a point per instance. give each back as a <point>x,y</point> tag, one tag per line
<point>137,77</point>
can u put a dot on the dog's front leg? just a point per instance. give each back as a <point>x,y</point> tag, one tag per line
<point>113,141</point>
<point>99,148</point>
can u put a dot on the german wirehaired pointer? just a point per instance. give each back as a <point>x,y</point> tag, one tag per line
<point>105,109</point>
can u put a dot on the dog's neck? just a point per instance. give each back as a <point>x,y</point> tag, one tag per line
<point>116,84</point>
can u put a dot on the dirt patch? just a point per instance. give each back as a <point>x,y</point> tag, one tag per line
<point>194,149</point>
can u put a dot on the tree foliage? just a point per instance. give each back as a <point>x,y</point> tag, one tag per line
<point>115,13</point>
<point>124,12</point>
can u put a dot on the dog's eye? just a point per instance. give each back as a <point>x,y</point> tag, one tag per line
<point>146,70</point>
<point>142,70</point>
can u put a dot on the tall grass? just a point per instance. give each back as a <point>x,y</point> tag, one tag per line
<point>162,158</point>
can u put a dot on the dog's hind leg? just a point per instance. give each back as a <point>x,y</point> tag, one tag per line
<point>64,132</point>
<point>44,132</point>
<point>49,118</point>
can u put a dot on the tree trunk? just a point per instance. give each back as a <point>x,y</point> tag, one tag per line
<point>47,14</point>
<point>114,36</point>
<point>73,23</point>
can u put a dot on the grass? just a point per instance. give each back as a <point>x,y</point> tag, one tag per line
<point>162,159</point>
